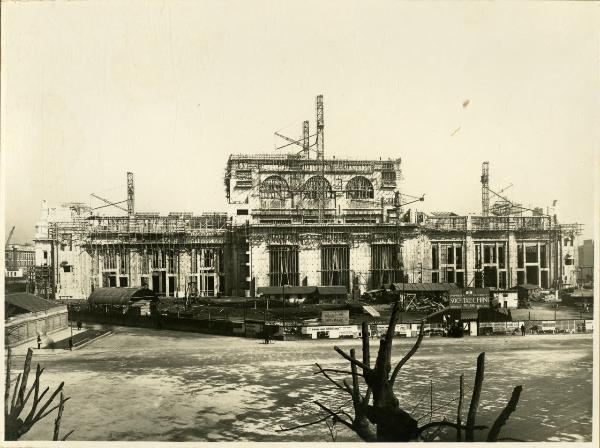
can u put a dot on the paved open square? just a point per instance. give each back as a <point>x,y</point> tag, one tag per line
<point>138,384</point>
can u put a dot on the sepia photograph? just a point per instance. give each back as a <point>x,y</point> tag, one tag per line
<point>301,221</point>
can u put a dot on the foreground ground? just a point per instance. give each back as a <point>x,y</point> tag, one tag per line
<point>138,384</point>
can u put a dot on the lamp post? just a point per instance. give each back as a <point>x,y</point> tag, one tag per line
<point>283,298</point>
<point>244,316</point>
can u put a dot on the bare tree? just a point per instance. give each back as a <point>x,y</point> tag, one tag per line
<point>15,426</point>
<point>377,415</point>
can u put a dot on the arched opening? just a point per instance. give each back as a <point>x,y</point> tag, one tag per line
<point>317,187</point>
<point>359,187</point>
<point>274,187</point>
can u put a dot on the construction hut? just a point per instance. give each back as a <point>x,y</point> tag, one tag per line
<point>28,316</point>
<point>526,293</point>
<point>466,320</point>
<point>505,299</point>
<point>123,300</point>
<point>305,294</point>
<point>427,297</point>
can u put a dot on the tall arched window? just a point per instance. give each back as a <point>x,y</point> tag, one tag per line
<point>317,187</point>
<point>274,187</point>
<point>359,187</point>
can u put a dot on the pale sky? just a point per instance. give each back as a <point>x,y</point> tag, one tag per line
<point>91,90</point>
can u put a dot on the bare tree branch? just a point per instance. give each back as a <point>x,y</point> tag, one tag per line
<point>61,407</point>
<point>54,394</point>
<point>449,424</point>
<point>31,416</point>
<point>366,349</point>
<point>50,411</point>
<point>321,420</point>
<point>346,372</point>
<point>25,377</point>
<point>13,403</point>
<point>354,361</point>
<point>432,410</point>
<point>503,417</point>
<point>334,382</point>
<point>355,387</point>
<point>459,409</point>
<point>67,435</point>
<point>475,397</point>
<point>335,415</point>
<point>367,396</point>
<point>409,355</point>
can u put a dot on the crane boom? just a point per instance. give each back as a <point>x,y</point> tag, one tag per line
<point>114,204</point>
<point>10,234</point>
<point>298,142</point>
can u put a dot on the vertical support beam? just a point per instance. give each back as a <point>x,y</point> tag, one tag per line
<point>320,129</point>
<point>305,139</point>
<point>321,152</point>
<point>130,194</point>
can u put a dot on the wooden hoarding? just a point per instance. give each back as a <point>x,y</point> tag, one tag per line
<point>337,317</point>
<point>469,298</point>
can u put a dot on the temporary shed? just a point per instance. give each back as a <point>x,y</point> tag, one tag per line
<point>121,296</point>
<point>526,291</point>
<point>423,288</point>
<point>321,294</point>
<point>22,303</point>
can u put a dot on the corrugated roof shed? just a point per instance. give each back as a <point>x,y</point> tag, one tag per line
<point>331,290</point>
<point>288,290</point>
<point>29,302</point>
<point>421,287</point>
<point>302,290</point>
<point>120,296</point>
<point>525,286</point>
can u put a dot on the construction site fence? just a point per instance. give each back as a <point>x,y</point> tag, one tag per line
<point>158,322</point>
<point>227,327</point>
<point>537,327</point>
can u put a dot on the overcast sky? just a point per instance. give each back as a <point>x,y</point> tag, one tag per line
<point>91,90</point>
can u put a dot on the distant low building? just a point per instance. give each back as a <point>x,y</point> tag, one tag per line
<point>19,262</point>
<point>586,262</point>
<point>505,299</point>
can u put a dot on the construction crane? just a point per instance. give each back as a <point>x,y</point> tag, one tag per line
<point>10,234</point>
<point>320,129</point>
<point>485,189</point>
<point>130,195</point>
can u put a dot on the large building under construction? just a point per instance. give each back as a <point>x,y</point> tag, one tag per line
<point>302,219</point>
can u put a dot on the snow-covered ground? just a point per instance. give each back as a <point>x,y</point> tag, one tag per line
<point>139,384</point>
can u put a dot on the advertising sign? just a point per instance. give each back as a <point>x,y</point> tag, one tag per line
<point>338,317</point>
<point>469,298</point>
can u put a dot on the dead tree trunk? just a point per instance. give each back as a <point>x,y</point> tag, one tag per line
<point>378,415</point>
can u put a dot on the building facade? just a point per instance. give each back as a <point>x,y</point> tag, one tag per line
<point>297,221</point>
<point>586,262</point>
<point>175,255</point>
<point>340,222</point>
<point>19,263</point>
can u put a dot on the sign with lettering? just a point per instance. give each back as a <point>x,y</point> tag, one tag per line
<point>14,274</point>
<point>469,298</point>
<point>337,317</point>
